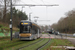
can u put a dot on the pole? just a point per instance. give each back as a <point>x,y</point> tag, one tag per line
<point>30,16</point>
<point>36,18</point>
<point>11,22</point>
<point>22,8</point>
<point>4,11</point>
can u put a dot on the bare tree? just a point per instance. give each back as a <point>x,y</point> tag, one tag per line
<point>5,8</point>
<point>66,24</point>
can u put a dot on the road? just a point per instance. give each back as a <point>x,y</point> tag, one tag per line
<point>71,35</point>
<point>59,37</point>
<point>56,36</point>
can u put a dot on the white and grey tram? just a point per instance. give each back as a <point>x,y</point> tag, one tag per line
<point>29,30</point>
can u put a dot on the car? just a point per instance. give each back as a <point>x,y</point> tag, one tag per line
<point>51,32</point>
<point>74,34</point>
<point>56,33</point>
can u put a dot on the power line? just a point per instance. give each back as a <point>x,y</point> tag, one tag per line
<point>31,5</point>
<point>42,1</point>
<point>46,12</point>
<point>34,1</point>
<point>30,8</point>
<point>43,20</point>
<point>46,2</point>
<point>23,2</point>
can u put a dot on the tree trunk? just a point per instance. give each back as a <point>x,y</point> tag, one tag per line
<point>4,16</point>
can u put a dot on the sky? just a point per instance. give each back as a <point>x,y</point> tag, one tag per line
<point>50,14</point>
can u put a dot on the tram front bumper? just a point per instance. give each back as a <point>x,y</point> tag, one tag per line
<point>25,38</point>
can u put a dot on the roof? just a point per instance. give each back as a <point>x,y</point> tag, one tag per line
<point>27,21</point>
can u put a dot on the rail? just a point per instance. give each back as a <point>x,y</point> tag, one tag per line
<point>30,44</point>
<point>44,44</point>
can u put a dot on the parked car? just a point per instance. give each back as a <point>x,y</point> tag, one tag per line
<point>56,33</point>
<point>74,34</point>
<point>51,32</point>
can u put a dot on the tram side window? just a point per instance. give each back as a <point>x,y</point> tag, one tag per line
<point>34,29</point>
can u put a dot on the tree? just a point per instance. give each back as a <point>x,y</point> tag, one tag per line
<point>17,16</point>
<point>5,8</point>
<point>66,24</point>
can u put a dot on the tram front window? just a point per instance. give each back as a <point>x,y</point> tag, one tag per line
<point>25,29</point>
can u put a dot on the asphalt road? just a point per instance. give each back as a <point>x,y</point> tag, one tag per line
<point>56,36</point>
<point>65,34</point>
<point>72,39</point>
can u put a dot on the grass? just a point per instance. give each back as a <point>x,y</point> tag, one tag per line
<point>6,43</point>
<point>44,33</point>
<point>34,47</point>
<point>46,47</point>
<point>22,45</point>
<point>4,38</point>
<point>57,42</point>
<point>18,44</point>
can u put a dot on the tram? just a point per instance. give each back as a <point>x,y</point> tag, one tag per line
<point>29,30</point>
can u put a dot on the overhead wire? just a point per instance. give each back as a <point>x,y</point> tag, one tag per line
<point>46,2</point>
<point>46,13</point>
<point>23,2</point>
<point>43,1</point>
<point>30,8</point>
<point>46,8</point>
<point>34,1</point>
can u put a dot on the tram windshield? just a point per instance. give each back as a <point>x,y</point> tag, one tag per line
<point>24,29</point>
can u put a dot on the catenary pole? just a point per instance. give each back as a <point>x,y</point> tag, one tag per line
<point>29,17</point>
<point>11,21</point>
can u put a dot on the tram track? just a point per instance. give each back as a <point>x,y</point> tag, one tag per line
<point>24,45</point>
<point>44,44</point>
<point>36,43</point>
<point>30,44</point>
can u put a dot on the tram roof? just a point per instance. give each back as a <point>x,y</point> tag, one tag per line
<point>27,21</point>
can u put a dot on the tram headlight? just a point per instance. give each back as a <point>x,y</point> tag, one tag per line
<point>21,23</point>
<point>30,34</point>
<point>19,34</point>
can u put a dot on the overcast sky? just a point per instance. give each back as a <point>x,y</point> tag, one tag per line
<point>47,13</point>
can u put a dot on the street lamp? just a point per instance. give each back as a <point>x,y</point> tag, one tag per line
<point>30,16</point>
<point>36,18</point>
<point>22,8</point>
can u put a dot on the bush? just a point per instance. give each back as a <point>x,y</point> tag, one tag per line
<point>1,48</point>
<point>1,26</point>
<point>42,32</point>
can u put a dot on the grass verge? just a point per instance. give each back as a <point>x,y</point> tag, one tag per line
<point>21,44</point>
<point>35,46</point>
<point>57,42</point>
